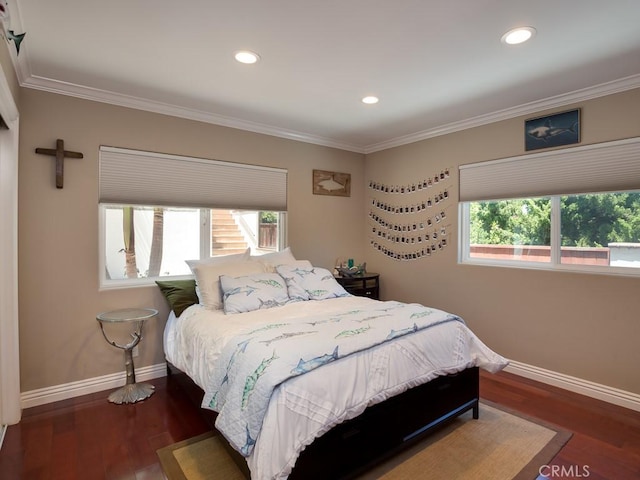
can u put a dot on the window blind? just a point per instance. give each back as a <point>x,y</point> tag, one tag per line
<point>603,167</point>
<point>135,177</point>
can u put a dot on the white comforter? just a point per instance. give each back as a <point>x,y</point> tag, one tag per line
<point>306,406</point>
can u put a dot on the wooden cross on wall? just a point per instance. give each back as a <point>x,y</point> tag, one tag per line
<point>60,153</point>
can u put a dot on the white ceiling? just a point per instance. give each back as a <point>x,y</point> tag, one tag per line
<point>437,65</point>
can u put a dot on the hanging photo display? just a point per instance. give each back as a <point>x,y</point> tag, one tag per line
<point>414,227</point>
<point>412,187</point>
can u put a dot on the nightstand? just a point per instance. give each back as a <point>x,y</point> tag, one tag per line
<point>365,285</point>
<point>132,392</point>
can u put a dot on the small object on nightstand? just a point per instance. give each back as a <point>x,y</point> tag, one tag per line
<point>131,392</point>
<point>351,270</point>
<point>363,285</point>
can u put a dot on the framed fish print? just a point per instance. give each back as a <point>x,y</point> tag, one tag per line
<point>552,131</point>
<point>331,183</point>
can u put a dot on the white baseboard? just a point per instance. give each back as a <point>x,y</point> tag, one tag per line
<point>56,393</point>
<point>3,431</point>
<point>83,387</point>
<point>584,387</point>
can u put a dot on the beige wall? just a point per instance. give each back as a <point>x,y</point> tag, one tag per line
<point>60,341</point>
<point>577,324</point>
<point>582,325</point>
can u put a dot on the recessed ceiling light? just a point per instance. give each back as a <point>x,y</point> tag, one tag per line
<point>245,56</point>
<point>370,100</point>
<point>518,35</point>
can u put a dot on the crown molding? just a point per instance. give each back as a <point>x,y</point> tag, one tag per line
<point>112,98</point>
<point>604,89</point>
<point>28,80</point>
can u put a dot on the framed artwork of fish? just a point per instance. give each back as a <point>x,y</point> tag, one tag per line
<point>331,183</point>
<point>553,130</point>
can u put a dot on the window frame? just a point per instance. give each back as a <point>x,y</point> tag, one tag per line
<point>464,258</point>
<point>205,247</point>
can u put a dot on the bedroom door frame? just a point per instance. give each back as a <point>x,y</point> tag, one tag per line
<point>10,408</point>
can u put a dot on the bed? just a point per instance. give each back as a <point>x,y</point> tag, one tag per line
<point>309,381</point>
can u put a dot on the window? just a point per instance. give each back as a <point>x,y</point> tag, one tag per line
<point>142,243</point>
<point>595,232</point>
<point>600,229</point>
<point>158,210</point>
<point>531,211</point>
<point>510,230</point>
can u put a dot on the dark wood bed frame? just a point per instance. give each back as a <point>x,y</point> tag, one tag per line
<point>381,431</point>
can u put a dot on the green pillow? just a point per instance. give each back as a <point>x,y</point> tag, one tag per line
<point>180,294</point>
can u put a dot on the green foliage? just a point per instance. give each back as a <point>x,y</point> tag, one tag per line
<point>511,222</point>
<point>268,217</point>
<point>593,220</point>
<point>597,220</point>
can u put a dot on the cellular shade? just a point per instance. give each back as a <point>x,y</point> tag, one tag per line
<point>603,167</point>
<point>134,177</point>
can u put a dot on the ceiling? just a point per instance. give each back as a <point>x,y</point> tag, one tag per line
<point>437,65</point>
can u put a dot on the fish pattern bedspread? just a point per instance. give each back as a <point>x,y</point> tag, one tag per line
<point>254,363</point>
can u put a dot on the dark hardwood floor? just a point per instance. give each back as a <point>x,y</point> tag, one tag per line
<point>606,438</point>
<point>88,438</point>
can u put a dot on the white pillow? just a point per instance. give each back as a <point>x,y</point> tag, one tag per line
<point>208,279</point>
<point>236,257</point>
<point>253,292</point>
<point>219,260</point>
<point>272,260</point>
<point>313,283</point>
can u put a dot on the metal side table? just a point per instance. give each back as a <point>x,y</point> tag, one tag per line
<point>131,392</point>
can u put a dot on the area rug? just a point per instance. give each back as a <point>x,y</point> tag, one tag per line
<point>499,445</point>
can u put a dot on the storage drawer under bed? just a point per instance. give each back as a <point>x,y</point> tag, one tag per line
<point>388,427</point>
